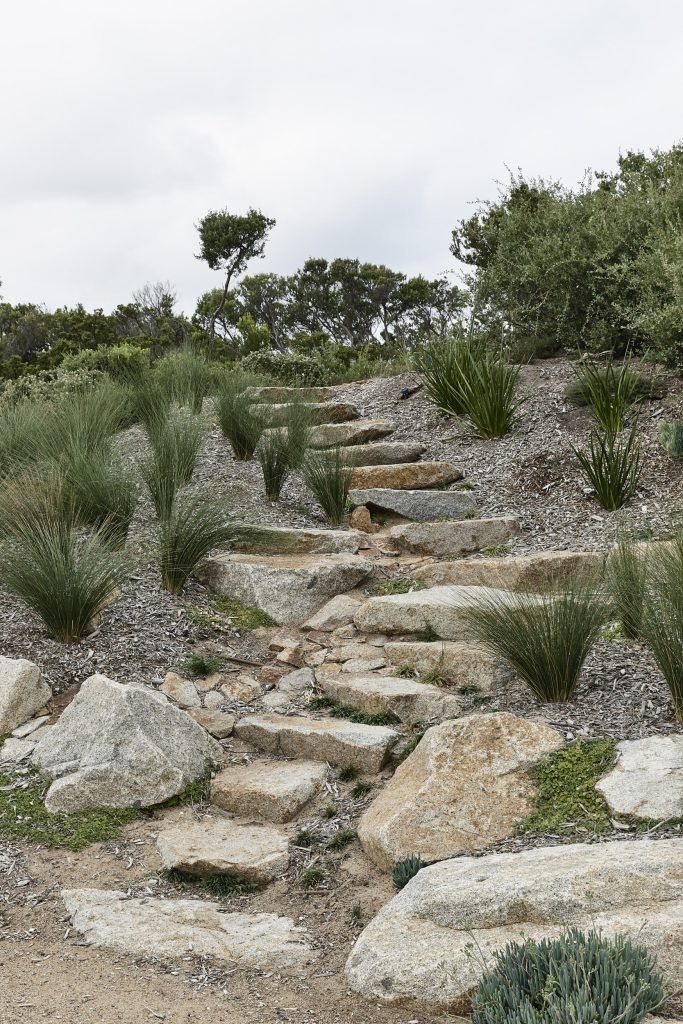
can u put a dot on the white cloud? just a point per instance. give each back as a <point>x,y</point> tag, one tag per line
<point>366,128</point>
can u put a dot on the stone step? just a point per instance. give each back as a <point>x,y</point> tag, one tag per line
<point>269,790</point>
<point>150,927</point>
<point>284,395</point>
<point>365,747</point>
<point>329,435</point>
<point>647,779</point>
<point>456,538</point>
<point>221,847</point>
<point>325,412</point>
<point>289,588</point>
<point>482,903</point>
<point>460,664</point>
<point>383,453</point>
<point>419,506</point>
<point>408,699</point>
<point>406,476</point>
<point>439,610</point>
<point>283,540</point>
<point>514,572</point>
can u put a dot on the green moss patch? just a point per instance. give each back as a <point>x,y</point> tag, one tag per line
<point>566,798</point>
<point>351,714</point>
<point>23,817</point>
<point>388,587</point>
<point>242,616</point>
<point>221,886</point>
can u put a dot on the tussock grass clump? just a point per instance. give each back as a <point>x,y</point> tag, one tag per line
<point>85,423</point>
<point>241,421</point>
<point>329,478</point>
<point>341,839</point>
<point>186,377</point>
<point>200,666</point>
<point>612,466</point>
<point>610,391</point>
<point>104,495</point>
<point>580,977</point>
<point>275,459</point>
<point>297,422</point>
<point>671,436</point>
<point>149,403</point>
<point>545,638</point>
<point>626,575</point>
<point>23,431</point>
<point>196,524</point>
<point>175,447</point>
<point>661,624</point>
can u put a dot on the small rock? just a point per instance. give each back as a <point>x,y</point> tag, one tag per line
<point>182,691</point>
<point>220,847</point>
<point>23,692</point>
<point>272,673</point>
<point>273,791</point>
<point>292,656</point>
<point>356,665</point>
<point>209,683</point>
<point>339,611</point>
<point>315,658</point>
<point>217,723</point>
<point>298,682</point>
<point>360,519</point>
<point>29,727</point>
<point>214,700</point>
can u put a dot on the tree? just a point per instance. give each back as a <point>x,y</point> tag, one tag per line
<point>228,242</point>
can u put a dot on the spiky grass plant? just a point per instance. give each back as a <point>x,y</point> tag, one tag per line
<point>404,870</point>
<point>297,422</point>
<point>186,377</point>
<point>444,366</point>
<point>175,445</point>
<point>328,476</point>
<point>241,421</point>
<point>626,575</point>
<point>490,395</point>
<point>612,466</point>
<point>149,402</point>
<point>23,435</point>
<point>661,624</point>
<point>104,494</point>
<point>671,436</point>
<point>86,422</point>
<point>274,456</point>
<point>545,638</point>
<point>63,576</point>
<point>610,391</point>
<point>197,523</point>
<point>579,977</point>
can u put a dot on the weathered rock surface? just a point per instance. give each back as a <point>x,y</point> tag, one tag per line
<point>283,540</point>
<point>420,506</point>
<point>284,395</point>
<point>297,682</point>
<point>121,746</point>
<point>242,688</point>
<point>329,435</point>
<point>182,692</point>
<point>22,731</point>
<point>175,928</point>
<point>323,412</point>
<point>288,587</point>
<point>441,610</point>
<point>383,453</point>
<point>220,847</point>
<point>464,787</point>
<point>365,664</point>
<point>366,747</point>
<point>23,691</point>
<point>458,537</point>
<point>408,699</point>
<point>461,664</point>
<point>430,942</point>
<point>269,790</point>
<point>647,779</point>
<point>406,476</point>
<point>515,572</point>
<point>339,611</point>
<point>218,723</point>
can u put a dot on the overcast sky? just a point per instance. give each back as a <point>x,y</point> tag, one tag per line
<point>365,127</point>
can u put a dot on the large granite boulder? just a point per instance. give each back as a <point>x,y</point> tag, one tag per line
<point>329,435</point>
<point>285,540</point>
<point>383,453</point>
<point>408,699</point>
<point>269,790</point>
<point>459,663</point>
<point>647,779</point>
<point>23,691</point>
<point>464,787</point>
<point>121,746</point>
<point>430,944</point>
<point>319,412</point>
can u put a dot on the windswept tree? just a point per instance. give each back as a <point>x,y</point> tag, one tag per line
<point>228,242</point>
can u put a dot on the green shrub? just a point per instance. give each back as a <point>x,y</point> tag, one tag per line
<point>404,870</point>
<point>671,436</point>
<point>329,478</point>
<point>241,421</point>
<point>124,362</point>
<point>274,457</point>
<point>175,447</point>
<point>200,666</point>
<point>545,638</point>
<point>197,523</point>
<point>662,619</point>
<point>579,977</point>
<point>626,574</point>
<point>293,369</point>
<point>610,392</point>
<point>612,466</point>
<point>50,385</point>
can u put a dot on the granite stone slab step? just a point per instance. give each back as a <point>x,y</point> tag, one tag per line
<point>439,610</point>
<point>325,412</point>
<point>289,588</point>
<point>455,538</point>
<point>422,506</point>
<point>366,747</point>
<point>383,453</point>
<point>406,476</point>
<point>512,572</point>
<point>216,846</point>
<point>329,435</point>
<point>284,540</point>
<point>459,663</point>
<point>408,699</point>
<point>284,395</point>
<point>269,790</point>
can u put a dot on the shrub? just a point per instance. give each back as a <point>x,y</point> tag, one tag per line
<point>626,575</point>
<point>662,619</point>
<point>104,495</point>
<point>545,638</point>
<point>67,579</point>
<point>274,457</point>
<point>404,870</point>
<point>241,422</point>
<point>612,466</point>
<point>578,977</point>
<point>197,524</point>
<point>610,392</point>
<point>125,362</point>
<point>329,477</point>
<point>671,436</point>
<point>293,369</point>
<point>175,446</point>
<point>50,385</point>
